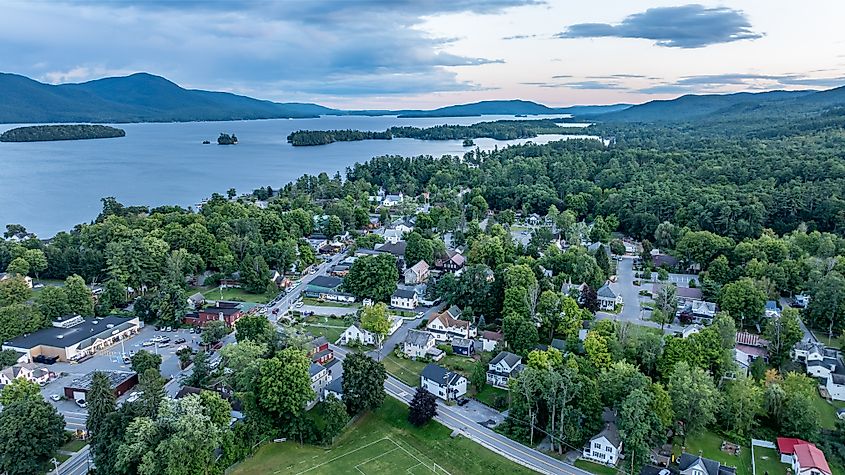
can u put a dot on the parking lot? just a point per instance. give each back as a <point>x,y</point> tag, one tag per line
<point>111,359</point>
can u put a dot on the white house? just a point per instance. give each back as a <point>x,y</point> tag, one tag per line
<point>701,310</point>
<point>26,278</point>
<point>391,235</point>
<point>501,368</point>
<point>836,386</point>
<point>690,330</point>
<point>446,325</point>
<point>357,334</point>
<point>606,446</point>
<point>489,340</point>
<point>607,298</point>
<point>27,371</point>
<point>442,383</point>
<point>417,343</point>
<point>417,273</point>
<point>406,299</point>
<point>392,200</point>
<point>809,460</point>
<point>689,464</point>
<point>320,378</point>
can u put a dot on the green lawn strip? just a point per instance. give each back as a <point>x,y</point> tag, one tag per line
<point>768,461</point>
<point>332,334</point>
<point>489,394</point>
<point>323,320</point>
<point>827,412</point>
<point>382,442</point>
<point>406,370</point>
<point>237,295</point>
<point>74,445</point>
<point>596,468</point>
<point>708,444</point>
<point>458,364</point>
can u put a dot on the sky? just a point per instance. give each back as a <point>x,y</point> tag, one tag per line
<point>392,54</point>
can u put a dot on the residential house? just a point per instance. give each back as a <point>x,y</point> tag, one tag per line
<point>453,261</point>
<point>444,384</point>
<point>606,446</point>
<point>355,333</point>
<point>326,287</point>
<point>607,298</point>
<point>685,295</point>
<point>446,325</point>
<point>820,361</point>
<point>390,201</point>
<point>335,388</point>
<point>418,343</point>
<point>786,448</point>
<point>391,235</point>
<point>463,346</point>
<point>317,241</point>
<point>533,219</point>
<point>664,260</point>
<point>416,274</point>
<point>699,311</point>
<point>748,348</point>
<point>489,340</point>
<point>319,350</point>
<point>691,330</point>
<point>689,464</point>
<point>406,299</point>
<point>397,249</point>
<point>573,290</point>
<point>227,312</point>
<point>835,386</point>
<point>196,301</point>
<point>772,310</point>
<point>6,275</point>
<point>320,378</point>
<point>809,460</point>
<point>502,367</point>
<point>27,371</point>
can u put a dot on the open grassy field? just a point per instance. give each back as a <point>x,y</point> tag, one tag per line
<point>382,443</point>
<point>236,295</point>
<point>405,370</point>
<point>595,468</point>
<point>489,394</point>
<point>827,411</point>
<point>708,444</point>
<point>768,461</point>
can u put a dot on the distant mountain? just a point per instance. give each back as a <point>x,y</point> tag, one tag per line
<point>695,106</point>
<point>144,97</point>
<point>136,98</point>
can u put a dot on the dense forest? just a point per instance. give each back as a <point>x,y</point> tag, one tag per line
<point>499,130</point>
<point>43,133</point>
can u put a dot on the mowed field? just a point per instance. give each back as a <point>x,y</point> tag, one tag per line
<point>382,443</point>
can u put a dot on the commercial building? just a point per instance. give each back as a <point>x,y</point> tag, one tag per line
<point>121,381</point>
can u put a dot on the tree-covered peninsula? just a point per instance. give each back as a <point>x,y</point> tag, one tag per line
<point>499,130</point>
<point>44,133</point>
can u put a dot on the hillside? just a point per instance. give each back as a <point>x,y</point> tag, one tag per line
<point>693,106</point>
<point>137,98</point>
<point>512,107</point>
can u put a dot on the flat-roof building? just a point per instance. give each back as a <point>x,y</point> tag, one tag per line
<point>72,338</point>
<point>121,381</point>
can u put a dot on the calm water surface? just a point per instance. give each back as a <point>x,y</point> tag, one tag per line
<point>51,186</point>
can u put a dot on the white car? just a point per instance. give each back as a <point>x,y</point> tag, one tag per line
<point>55,397</point>
<point>81,403</point>
<point>133,396</point>
<point>298,305</point>
<point>163,345</point>
<point>148,343</point>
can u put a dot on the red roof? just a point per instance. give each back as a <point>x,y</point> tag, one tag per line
<point>786,445</point>
<point>809,456</point>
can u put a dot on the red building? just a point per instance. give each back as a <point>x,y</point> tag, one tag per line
<point>319,351</point>
<point>228,312</point>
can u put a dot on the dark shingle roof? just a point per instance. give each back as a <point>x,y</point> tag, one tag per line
<point>326,282</point>
<point>418,338</point>
<point>439,374</point>
<point>713,467</point>
<point>65,337</point>
<point>405,294</point>
<point>510,358</point>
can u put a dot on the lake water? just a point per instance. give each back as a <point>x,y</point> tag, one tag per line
<point>52,186</point>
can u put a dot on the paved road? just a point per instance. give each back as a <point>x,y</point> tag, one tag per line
<point>77,464</point>
<point>452,417</point>
<point>399,335</point>
<point>282,303</point>
<point>808,335</point>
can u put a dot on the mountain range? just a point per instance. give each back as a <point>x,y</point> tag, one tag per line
<point>144,97</point>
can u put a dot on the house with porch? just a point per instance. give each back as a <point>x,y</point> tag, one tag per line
<point>416,274</point>
<point>453,262</point>
<point>502,367</point>
<point>606,446</point>
<point>607,298</point>
<point>447,325</point>
<point>418,343</point>
<point>445,384</point>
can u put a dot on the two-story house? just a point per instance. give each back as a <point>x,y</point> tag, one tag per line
<point>416,274</point>
<point>503,367</point>
<point>453,261</point>
<point>809,460</point>
<point>418,343</point>
<point>444,384</point>
<point>447,325</point>
<point>689,464</point>
<point>463,346</point>
<point>27,371</point>
<point>320,378</point>
<point>489,340</point>
<point>319,350</point>
<point>607,298</point>
<point>606,446</point>
<point>405,299</point>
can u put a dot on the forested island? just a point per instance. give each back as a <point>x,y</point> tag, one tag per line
<point>45,133</point>
<point>499,130</point>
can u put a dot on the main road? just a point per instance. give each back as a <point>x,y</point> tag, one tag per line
<point>453,419</point>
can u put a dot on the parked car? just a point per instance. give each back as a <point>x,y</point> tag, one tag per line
<point>127,359</point>
<point>168,329</point>
<point>133,396</point>
<point>298,305</point>
<point>55,397</point>
<point>463,401</point>
<point>193,330</point>
<point>163,345</point>
<point>81,403</point>
<point>179,340</point>
<point>148,343</point>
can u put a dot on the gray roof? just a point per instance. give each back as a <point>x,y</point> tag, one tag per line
<point>462,342</point>
<point>336,385</point>
<point>405,294</point>
<point>116,378</point>
<point>606,292</point>
<point>558,344</point>
<point>65,337</point>
<point>326,282</point>
<point>455,311</point>
<point>418,338</point>
<point>713,467</point>
<point>510,358</point>
<point>611,433</point>
<point>441,375</point>
<point>315,369</point>
<point>838,378</point>
<point>397,249</point>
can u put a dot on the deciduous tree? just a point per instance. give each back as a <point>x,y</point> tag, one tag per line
<point>423,408</point>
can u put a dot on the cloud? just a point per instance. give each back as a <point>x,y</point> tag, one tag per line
<point>688,26</point>
<point>283,50</point>
<point>518,37</point>
<point>748,81</point>
<point>593,85</point>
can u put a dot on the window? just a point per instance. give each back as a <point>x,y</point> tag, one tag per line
<point>597,445</point>
<point>609,449</point>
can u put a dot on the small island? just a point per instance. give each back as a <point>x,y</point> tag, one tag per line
<point>469,143</point>
<point>226,139</point>
<point>44,133</point>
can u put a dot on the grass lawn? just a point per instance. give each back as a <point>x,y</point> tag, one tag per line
<point>768,461</point>
<point>237,295</point>
<point>74,445</point>
<point>598,469</point>
<point>457,363</point>
<point>489,394</point>
<point>827,411</point>
<point>708,444</point>
<point>324,320</point>
<point>379,443</point>
<point>331,333</point>
<point>405,370</point>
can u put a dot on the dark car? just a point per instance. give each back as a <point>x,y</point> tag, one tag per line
<point>463,401</point>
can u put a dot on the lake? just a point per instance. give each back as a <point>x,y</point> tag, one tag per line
<point>52,186</point>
